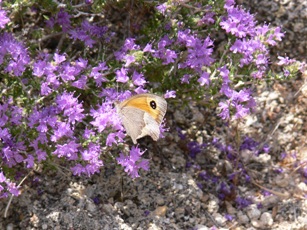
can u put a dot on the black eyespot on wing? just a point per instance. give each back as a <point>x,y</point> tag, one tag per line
<point>153,104</point>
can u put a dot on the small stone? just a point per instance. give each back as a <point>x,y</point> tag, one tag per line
<point>230,209</point>
<point>266,219</point>
<point>282,180</point>
<point>213,205</point>
<point>221,220</point>
<point>256,223</point>
<point>263,158</point>
<point>91,207</point>
<point>160,211</point>
<point>54,216</point>
<point>243,219</point>
<point>270,201</point>
<point>179,118</point>
<point>10,226</point>
<point>160,201</point>
<point>201,227</point>
<point>253,212</point>
<point>302,186</point>
<point>198,116</point>
<point>179,212</point>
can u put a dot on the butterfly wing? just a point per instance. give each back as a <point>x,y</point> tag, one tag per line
<point>139,124</point>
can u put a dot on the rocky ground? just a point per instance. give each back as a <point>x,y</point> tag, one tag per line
<point>169,195</point>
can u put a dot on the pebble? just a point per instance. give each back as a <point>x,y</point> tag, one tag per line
<point>160,211</point>
<point>179,118</point>
<point>54,216</point>
<point>91,207</point>
<point>253,212</point>
<point>160,201</point>
<point>10,226</point>
<point>213,205</point>
<point>220,219</point>
<point>302,186</point>
<point>243,219</point>
<point>201,227</point>
<point>266,219</point>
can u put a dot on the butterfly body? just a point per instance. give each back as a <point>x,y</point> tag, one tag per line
<point>142,115</point>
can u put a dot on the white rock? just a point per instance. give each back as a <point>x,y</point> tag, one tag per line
<point>256,223</point>
<point>221,220</point>
<point>302,186</point>
<point>201,227</point>
<point>266,219</point>
<point>91,207</point>
<point>253,212</point>
<point>243,219</point>
<point>263,158</point>
<point>10,226</point>
<point>213,205</point>
<point>54,216</point>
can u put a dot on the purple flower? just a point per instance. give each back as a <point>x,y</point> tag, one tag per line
<point>204,79</point>
<point>207,19</point>
<point>59,58</point>
<point>129,60</point>
<point>13,189</point>
<point>170,94</point>
<point>61,129</point>
<point>133,162</point>
<point>140,90</point>
<point>241,111</point>
<point>229,217</point>
<point>98,73</point>
<point>186,78</point>
<point>284,61</point>
<point>130,44</point>
<point>77,170</point>
<point>3,19</point>
<point>199,52</point>
<point>39,68</point>
<point>10,186</point>
<point>249,143</point>
<point>277,35</point>
<point>148,48</point>
<point>121,75</point>
<point>243,202</point>
<point>41,155</point>
<point>80,83</point>
<point>138,79</point>
<point>105,116</point>
<point>62,18</point>
<point>224,72</point>
<point>239,22</point>
<point>226,90</point>
<point>68,150</point>
<point>14,53</point>
<point>30,161</point>
<point>162,8</point>
<point>67,103</point>
<point>224,108</point>
<point>168,56</point>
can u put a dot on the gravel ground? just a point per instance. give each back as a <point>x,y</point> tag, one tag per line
<point>169,195</point>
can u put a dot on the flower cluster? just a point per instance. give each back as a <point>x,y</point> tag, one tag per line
<point>13,55</point>
<point>7,186</point>
<point>133,162</point>
<point>61,104</point>
<point>3,18</point>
